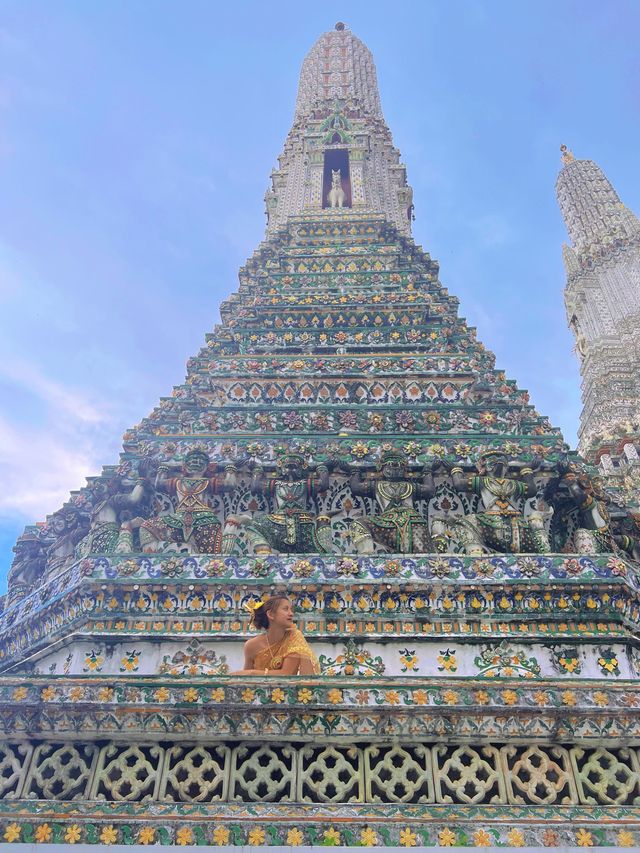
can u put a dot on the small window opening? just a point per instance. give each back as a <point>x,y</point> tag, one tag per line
<point>336,160</point>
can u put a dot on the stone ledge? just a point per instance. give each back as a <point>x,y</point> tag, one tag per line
<point>303,708</point>
<point>303,569</point>
<point>296,824</point>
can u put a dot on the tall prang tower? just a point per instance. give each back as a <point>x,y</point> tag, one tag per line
<point>342,438</point>
<point>602,298</point>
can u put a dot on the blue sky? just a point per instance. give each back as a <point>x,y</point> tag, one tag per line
<point>136,141</point>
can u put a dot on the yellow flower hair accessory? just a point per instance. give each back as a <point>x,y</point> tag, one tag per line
<point>253,607</point>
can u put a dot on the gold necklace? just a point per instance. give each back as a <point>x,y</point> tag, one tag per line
<point>270,648</point>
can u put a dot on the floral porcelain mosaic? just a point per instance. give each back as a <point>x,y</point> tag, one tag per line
<point>469,587</point>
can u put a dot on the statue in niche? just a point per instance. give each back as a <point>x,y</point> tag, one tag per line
<point>27,567</point>
<point>292,528</point>
<point>398,528</point>
<point>500,526</point>
<point>65,530</point>
<point>336,195</point>
<point>193,527</point>
<point>112,507</point>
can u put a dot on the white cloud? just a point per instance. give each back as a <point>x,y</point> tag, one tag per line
<point>60,398</point>
<point>40,463</point>
<point>39,469</point>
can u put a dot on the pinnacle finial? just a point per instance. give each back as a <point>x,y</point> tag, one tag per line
<point>338,65</point>
<point>566,154</point>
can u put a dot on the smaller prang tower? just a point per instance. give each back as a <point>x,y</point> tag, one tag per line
<point>602,298</point>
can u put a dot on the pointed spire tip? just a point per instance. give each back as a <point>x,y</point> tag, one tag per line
<point>566,155</point>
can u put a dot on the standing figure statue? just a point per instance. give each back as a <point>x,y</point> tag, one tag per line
<point>336,194</point>
<point>500,526</point>
<point>625,528</point>
<point>292,528</point>
<point>194,526</point>
<point>66,528</point>
<point>399,528</point>
<point>593,533</point>
<point>27,568</point>
<point>111,503</point>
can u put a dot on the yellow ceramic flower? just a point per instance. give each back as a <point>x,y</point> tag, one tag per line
<point>12,832</point>
<point>509,697</point>
<point>584,838</point>
<point>601,699</point>
<point>368,837</point>
<point>515,838</point>
<point>146,835</point>
<point>191,695</point>
<point>105,694</point>
<point>481,838</point>
<point>448,662</point>
<point>446,838</point>
<point>20,693</point>
<point>108,834</point>
<point>217,695</point>
<point>625,838</point>
<point>541,698</point>
<point>392,697</point>
<point>76,693</point>
<point>450,697</point>
<point>161,694</point>
<point>334,696</point>
<point>43,833</point>
<point>184,836</point>
<point>72,835</point>
<point>221,835</point>
<point>568,697</point>
<point>420,697</point>
<point>278,696</point>
<point>256,837</point>
<point>305,695</point>
<point>248,695</point>
<point>294,837</point>
<point>48,694</point>
<point>332,836</point>
<point>408,838</point>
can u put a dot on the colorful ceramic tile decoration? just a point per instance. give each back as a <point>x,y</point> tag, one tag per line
<point>467,585</point>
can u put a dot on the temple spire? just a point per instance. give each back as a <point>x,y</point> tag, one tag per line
<point>594,215</point>
<point>602,298</point>
<point>339,154</point>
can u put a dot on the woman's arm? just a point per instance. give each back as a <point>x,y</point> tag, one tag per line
<point>290,666</point>
<point>249,655</point>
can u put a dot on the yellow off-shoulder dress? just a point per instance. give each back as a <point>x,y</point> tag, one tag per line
<point>293,643</point>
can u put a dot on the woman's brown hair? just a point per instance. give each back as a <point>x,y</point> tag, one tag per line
<point>259,618</point>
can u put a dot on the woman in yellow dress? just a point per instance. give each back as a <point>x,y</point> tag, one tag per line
<point>282,648</point>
